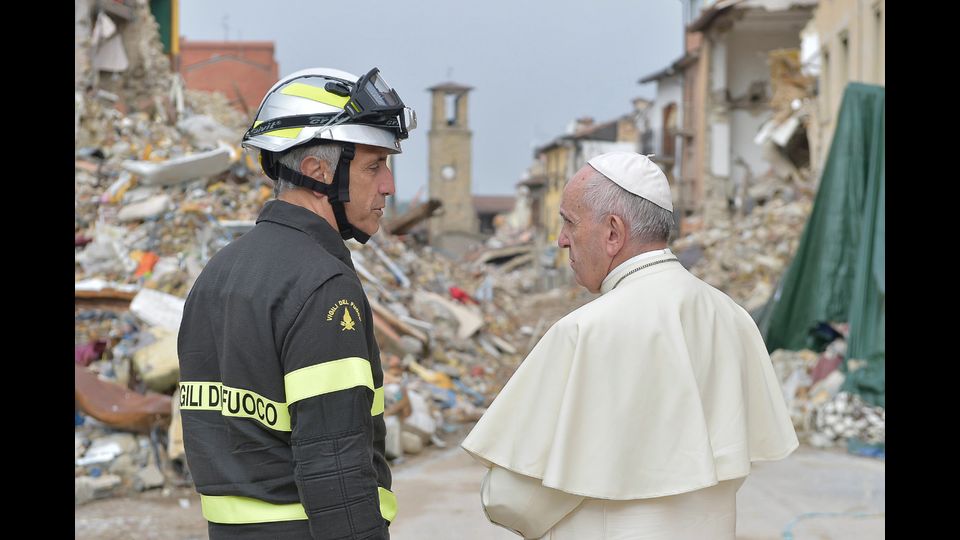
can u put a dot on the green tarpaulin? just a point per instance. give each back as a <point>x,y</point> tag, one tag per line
<point>837,274</point>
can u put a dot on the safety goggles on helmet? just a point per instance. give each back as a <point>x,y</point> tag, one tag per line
<point>370,101</point>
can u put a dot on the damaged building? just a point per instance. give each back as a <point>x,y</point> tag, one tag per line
<point>727,93</point>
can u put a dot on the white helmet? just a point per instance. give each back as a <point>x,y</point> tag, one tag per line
<point>312,104</point>
<point>328,105</point>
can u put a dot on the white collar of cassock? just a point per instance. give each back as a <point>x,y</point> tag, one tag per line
<point>614,276</point>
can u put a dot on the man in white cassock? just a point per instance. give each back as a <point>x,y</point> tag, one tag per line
<point>636,416</point>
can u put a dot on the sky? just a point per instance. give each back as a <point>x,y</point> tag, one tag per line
<point>535,66</point>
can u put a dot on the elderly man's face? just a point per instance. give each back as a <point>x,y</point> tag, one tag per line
<point>370,183</point>
<point>582,234</point>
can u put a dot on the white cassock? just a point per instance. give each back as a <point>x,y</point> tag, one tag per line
<point>636,416</point>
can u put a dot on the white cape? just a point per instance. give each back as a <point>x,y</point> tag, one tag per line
<point>660,386</point>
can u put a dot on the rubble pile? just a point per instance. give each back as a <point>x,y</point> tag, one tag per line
<point>109,463</point>
<point>121,52</point>
<point>149,76</point>
<point>744,258</point>
<point>455,324</point>
<point>217,106</point>
<point>822,414</point>
<point>789,84</point>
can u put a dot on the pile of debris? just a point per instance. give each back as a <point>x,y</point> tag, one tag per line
<point>824,415</point>
<point>744,258</point>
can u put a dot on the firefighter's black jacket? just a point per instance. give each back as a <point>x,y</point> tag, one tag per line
<point>281,388</point>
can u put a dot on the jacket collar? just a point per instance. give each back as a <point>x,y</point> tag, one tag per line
<point>309,223</point>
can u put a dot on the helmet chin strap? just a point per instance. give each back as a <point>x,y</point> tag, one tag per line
<point>337,192</point>
<point>341,183</point>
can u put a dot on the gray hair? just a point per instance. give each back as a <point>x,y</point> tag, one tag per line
<point>646,222</point>
<point>329,152</point>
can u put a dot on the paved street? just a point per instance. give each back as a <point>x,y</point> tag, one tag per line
<point>439,498</point>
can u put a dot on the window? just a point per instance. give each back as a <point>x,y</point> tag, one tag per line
<point>669,130</point>
<point>450,101</point>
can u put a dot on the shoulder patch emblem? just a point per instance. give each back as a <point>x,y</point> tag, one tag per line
<point>347,321</point>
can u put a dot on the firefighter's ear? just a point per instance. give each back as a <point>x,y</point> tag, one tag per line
<point>316,168</point>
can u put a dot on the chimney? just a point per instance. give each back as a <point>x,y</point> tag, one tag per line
<point>582,124</point>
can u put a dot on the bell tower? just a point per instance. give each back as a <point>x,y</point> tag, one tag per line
<point>450,164</point>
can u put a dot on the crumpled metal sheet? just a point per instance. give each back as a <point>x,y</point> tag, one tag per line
<point>117,406</point>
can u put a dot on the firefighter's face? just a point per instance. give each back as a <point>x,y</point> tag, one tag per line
<point>370,183</point>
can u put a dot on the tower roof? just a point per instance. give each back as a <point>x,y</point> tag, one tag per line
<point>450,87</point>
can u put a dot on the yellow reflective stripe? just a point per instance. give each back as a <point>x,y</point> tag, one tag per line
<point>388,504</point>
<point>200,396</point>
<point>237,402</point>
<point>242,403</point>
<point>232,510</point>
<point>377,402</point>
<point>288,133</point>
<point>315,93</point>
<point>327,377</point>
<point>237,510</point>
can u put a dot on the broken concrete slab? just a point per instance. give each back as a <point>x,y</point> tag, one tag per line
<point>180,169</point>
<point>157,363</point>
<point>124,466</point>
<point>109,54</point>
<point>158,309</point>
<point>88,488</point>
<point>469,321</point>
<point>205,132</point>
<point>152,207</point>
<point>502,344</point>
<point>100,452</point>
<point>148,477</point>
<point>107,254</point>
<point>411,345</point>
